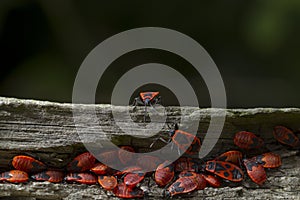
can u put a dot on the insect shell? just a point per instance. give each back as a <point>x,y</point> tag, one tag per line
<point>181,186</point>
<point>123,191</point>
<point>83,178</point>
<point>255,171</point>
<point>14,176</point>
<point>233,156</point>
<point>185,141</point>
<point>53,176</point>
<point>186,164</point>
<point>125,156</point>
<point>134,178</point>
<point>225,170</point>
<point>198,177</point>
<point>147,97</point>
<point>268,160</point>
<point>27,164</point>
<point>247,140</point>
<point>81,163</point>
<point>108,182</point>
<point>164,173</point>
<point>285,136</point>
<point>212,180</point>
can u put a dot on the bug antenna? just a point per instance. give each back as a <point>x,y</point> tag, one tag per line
<point>145,113</point>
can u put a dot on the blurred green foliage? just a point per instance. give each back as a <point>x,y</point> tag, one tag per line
<point>255,44</point>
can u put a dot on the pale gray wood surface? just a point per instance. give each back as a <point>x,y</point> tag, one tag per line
<point>47,130</point>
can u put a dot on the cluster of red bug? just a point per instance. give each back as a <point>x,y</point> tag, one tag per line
<point>182,176</point>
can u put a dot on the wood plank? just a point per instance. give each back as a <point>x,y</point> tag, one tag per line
<point>47,130</point>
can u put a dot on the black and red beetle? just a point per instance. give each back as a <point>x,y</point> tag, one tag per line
<point>27,164</point>
<point>164,173</point>
<point>81,163</point>
<point>14,176</point>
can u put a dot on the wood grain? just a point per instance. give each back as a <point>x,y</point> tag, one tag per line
<point>47,130</point>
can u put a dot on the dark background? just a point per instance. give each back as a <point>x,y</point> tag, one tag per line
<point>255,45</point>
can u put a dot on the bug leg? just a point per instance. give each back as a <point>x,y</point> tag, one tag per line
<point>178,150</point>
<point>153,108</point>
<point>137,101</point>
<point>161,139</point>
<point>154,141</point>
<point>145,113</point>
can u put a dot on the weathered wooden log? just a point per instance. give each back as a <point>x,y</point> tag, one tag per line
<point>47,131</point>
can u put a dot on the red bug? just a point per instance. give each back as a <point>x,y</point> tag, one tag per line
<point>100,169</point>
<point>53,176</point>
<point>124,191</point>
<point>127,170</point>
<point>14,176</point>
<point>201,181</point>
<point>125,156</point>
<point>185,141</point>
<point>268,160</point>
<point>81,163</point>
<point>146,99</point>
<point>212,180</point>
<point>285,136</point>
<point>234,157</point>
<point>182,185</point>
<point>148,163</point>
<point>255,171</point>
<point>193,175</point>
<point>108,182</point>
<point>134,178</point>
<point>109,157</point>
<point>186,164</point>
<point>84,178</point>
<point>247,140</point>
<point>164,174</point>
<point>187,174</point>
<point>225,170</point>
<point>28,164</point>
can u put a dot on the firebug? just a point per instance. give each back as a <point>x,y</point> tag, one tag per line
<point>233,156</point>
<point>83,178</point>
<point>247,140</point>
<point>53,176</point>
<point>148,163</point>
<point>285,136</point>
<point>81,163</point>
<point>14,176</point>
<point>100,169</point>
<point>125,154</point>
<point>255,171</point>
<point>134,178</point>
<point>146,99</point>
<point>184,141</point>
<point>186,164</point>
<point>123,191</point>
<point>181,186</point>
<point>193,175</point>
<point>225,170</point>
<point>268,160</point>
<point>164,173</point>
<point>107,182</point>
<point>212,180</point>
<point>27,164</point>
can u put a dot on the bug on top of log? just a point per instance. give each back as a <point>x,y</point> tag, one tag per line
<point>146,99</point>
